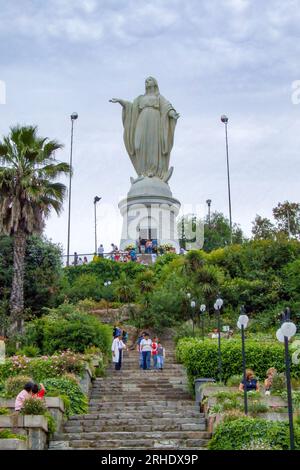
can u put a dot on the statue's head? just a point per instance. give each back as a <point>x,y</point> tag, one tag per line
<point>152,82</point>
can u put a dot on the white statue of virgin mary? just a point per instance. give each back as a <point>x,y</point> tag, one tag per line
<point>149,124</point>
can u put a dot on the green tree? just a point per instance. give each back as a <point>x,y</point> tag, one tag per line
<point>28,190</point>
<point>287,216</point>
<point>263,229</point>
<point>124,289</point>
<point>217,232</point>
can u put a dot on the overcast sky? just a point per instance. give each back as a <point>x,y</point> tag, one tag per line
<point>210,57</point>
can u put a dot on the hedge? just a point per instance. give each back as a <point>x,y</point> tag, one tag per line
<point>201,358</point>
<point>253,433</point>
<point>67,328</point>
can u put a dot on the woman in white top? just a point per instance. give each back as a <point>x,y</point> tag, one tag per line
<point>117,347</point>
<point>146,348</point>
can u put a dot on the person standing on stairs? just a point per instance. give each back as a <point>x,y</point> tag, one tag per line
<point>138,348</point>
<point>117,350</point>
<point>154,352</point>
<point>160,356</point>
<point>146,348</point>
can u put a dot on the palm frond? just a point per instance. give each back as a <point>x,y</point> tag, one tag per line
<point>28,190</point>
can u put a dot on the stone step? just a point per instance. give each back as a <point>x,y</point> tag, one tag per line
<point>99,418</point>
<point>137,409</point>
<point>137,399</point>
<point>151,427</point>
<point>125,435</point>
<point>124,385</point>
<point>162,444</point>
<point>126,407</point>
<point>137,415</point>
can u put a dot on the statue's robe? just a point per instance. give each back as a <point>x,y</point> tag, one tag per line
<point>149,134</point>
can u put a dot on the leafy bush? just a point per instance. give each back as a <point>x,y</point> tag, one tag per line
<point>67,328</point>
<point>201,358</point>
<point>7,434</point>
<point>41,368</point>
<point>15,385</point>
<point>278,383</point>
<point>35,406</point>
<point>29,351</point>
<point>4,411</point>
<point>256,407</point>
<point>68,386</point>
<point>234,380</point>
<point>240,433</point>
<point>57,365</point>
<point>86,286</point>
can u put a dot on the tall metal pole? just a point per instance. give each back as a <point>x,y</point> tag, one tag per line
<point>219,346</point>
<point>224,119</point>
<point>73,117</point>
<point>95,205</point>
<point>289,392</point>
<point>287,316</point>
<point>208,202</point>
<point>244,371</point>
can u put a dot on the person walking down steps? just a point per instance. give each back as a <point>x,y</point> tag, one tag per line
<point>117,351</point>
<point>146,348</point>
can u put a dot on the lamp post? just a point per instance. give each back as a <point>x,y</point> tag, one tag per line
<point>193,305</point>
<point>188,296</point>
<point>208,202</point>
<point>224,119</point>
<point>217,306</point>
<point>242,324</point>
<point>96,199</point>
<point>286,331</point>
<point>73,116</point>
<point>202,311</point>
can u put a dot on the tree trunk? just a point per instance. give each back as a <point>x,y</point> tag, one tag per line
<point>17,290</point>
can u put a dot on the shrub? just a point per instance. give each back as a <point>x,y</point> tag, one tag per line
<point>35,406</point>
<point>239,433</point>
<point>201,358</point>
<point>15,385</point>
<point>278,383</point>
<point>68,386</point>
<point>234,381</point>
<point>256,407</point>
<point>4,411</point>
<point>86,286</point>
<point>67,328</point>
<point>7,434</point>
<point>29,351</point>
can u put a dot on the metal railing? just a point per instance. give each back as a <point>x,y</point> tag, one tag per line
<point>79,259</point>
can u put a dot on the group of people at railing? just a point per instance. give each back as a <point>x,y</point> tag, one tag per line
<point>131,253</point>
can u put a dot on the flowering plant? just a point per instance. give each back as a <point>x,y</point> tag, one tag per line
<point>129,247</point>
<point>166,248</point>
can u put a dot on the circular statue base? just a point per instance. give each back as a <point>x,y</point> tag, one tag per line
<point>149,213</point>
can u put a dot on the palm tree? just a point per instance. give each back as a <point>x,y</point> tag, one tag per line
<point>28,192</point>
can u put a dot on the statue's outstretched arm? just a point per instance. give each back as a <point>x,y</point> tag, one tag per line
<point>118,100</point>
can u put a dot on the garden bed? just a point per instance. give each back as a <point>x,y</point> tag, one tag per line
<point>33,427</point>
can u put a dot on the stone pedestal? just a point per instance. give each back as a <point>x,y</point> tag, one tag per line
<point>149,212</point>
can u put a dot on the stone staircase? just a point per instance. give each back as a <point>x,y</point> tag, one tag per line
<point>136,409</point>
